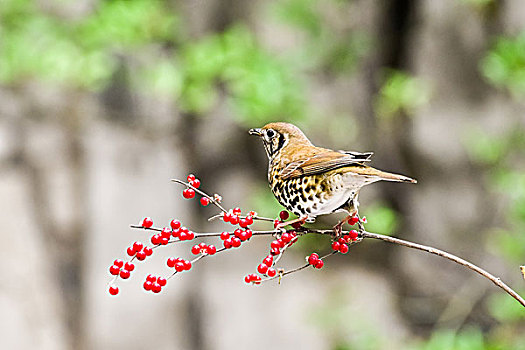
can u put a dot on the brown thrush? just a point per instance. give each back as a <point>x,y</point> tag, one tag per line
<point>311,181</point>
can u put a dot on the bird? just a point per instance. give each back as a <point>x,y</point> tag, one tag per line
<point>310,181</point>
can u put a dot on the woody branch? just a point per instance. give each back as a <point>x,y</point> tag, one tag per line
<point>283,239</point>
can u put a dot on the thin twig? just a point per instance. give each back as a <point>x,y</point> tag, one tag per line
<point>202,193</point>
<point>496,280</point>
<point>364,235</point>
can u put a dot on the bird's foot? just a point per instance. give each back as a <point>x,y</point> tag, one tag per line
<point>338,228</point>
<point>295,223</point>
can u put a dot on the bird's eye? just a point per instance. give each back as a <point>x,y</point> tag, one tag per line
<point>270,133</point>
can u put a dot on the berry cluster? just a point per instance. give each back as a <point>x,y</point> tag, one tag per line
<point>154,283</point>
<point>120,269</point>
<point>203,248</point>
<point>241,233</point>
<point>315,261</point>
<point>139,250</point>
<point>234,217</point>
<point>341,244</point>
<point>179,264</point>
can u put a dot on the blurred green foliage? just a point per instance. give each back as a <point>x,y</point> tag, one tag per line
<point>324,45</point>
<point>504,65</point>
<point>85,53</point>
<point>400,93</point>
<point>500,159</point>
<point>381,219</point>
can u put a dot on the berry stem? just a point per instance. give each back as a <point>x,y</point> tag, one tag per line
<point>202,193</point>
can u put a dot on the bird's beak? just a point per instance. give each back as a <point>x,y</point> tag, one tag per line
<point>256,131</point>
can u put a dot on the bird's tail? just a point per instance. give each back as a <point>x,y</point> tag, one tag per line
<point>394,177</point>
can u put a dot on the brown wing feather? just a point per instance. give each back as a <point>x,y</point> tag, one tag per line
<point>319,163</point>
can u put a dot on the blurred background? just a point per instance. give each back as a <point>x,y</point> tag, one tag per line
<point>103,102</point>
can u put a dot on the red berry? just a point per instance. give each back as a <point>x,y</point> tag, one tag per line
<point>171,262</point>
<point>275,244</point>
<point>268,261</point>
<point>353,220</point>
<point>226,216</point>
<point>275,251</point>
<point>276,223</point>
<point>151,278</point>
<point>249,220</point>
<point>179,266</point>
<point>187,265</point>
<point>313,258</point>
<point>243,236</point>
<point>284,215</point>
<point>130,251</point>
<point>236,211</point>
<point>137,246</point>
<point>148,251</point>
<point>227,243</point>
<point>162,281</point>
<point>225,235</point>
<point>164,240</point>
<point>113,290</point>
<point>344,248</point>
<point>155,239</point>
<point>147,222</point>
<point>341,240</point>
<point>166,232</point>
<point>281,242</point>
<point>353,235</point>
<point>188,193</point>
<point>129,266</point>
<point>141,255</point>
<point>237,232</point>
<point>183,235</point>
<point>196,183</point>
<point>155,287</point>
<point>114,270</point>
<point>175,224</point>
<point>236,242</point>
<point>248,278</point>
<point>336,245</point>
<point>271,272</point>
<point>252,213</point>
<point>248,234</point>
<point>286,237</point>
<point>195,249</point>
<point>190,236</point>
<point>205,201</point>
<point>124,274</point>
<point>297,225</point>
<point>211,250</point>
<point>319,264</point>
<point>147,285</point>
<point>234,220</point>
<point>262,268</point>
<point>118,262</point>
<point>243,223</point>
<point>190,178</point>
<point>363,220</point>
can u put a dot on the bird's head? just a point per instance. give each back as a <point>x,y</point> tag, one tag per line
<point>278,136</point>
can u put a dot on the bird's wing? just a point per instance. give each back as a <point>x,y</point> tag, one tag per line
<point>358,156</point>
<point>323,162</point>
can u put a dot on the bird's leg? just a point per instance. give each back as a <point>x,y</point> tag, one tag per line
<point>300,220</point>
<point>338,228</point>
<point>351,208</point>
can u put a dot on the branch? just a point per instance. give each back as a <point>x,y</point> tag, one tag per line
<point>496,280</point>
